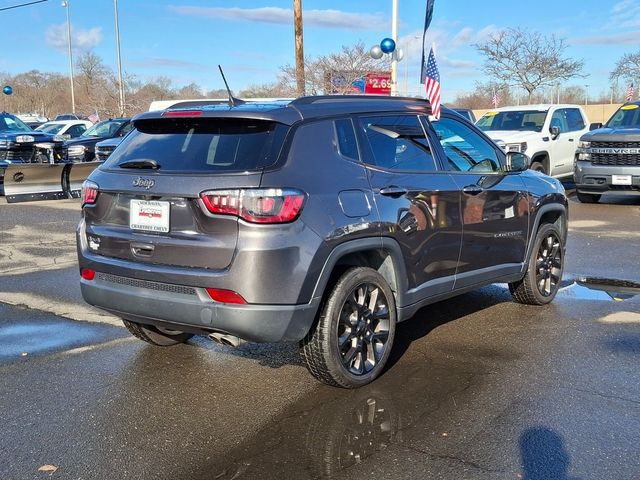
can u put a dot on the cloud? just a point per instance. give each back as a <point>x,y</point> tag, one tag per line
<point>284,16</point>
<point>629,38</point>
<point>625,14</point>
<point>81,40</point>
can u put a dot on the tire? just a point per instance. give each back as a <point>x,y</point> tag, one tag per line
<point>538,167</point>
<point>156,336</point>
<point>588,197</point>
<point>351,341</point>
<point>544,272</point>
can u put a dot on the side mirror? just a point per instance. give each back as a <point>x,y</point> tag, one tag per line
<point>516,162</point>
<point>595,126</point>
<point>555,131</point>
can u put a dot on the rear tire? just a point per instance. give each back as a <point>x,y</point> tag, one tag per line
<point>588,197</point>
<point>544,272</point>
<point>155,335</point>
<point>351,341</point>
<point>538,167</point>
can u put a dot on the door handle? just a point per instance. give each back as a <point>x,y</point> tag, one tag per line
<point>473,189</point>
<point>571,139</point>
<point>393,191</point>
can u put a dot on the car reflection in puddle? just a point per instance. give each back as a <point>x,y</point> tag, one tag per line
<point>592,288</point>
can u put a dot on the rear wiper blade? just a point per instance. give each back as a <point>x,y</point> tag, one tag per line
<point>140,164</point>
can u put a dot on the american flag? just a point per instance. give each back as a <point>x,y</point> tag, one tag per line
<point>631,91</point>
<point>94,117</point>
<point>496,99</point>
<point>432,84</point>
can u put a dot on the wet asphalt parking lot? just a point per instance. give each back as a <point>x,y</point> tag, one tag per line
<point>478,387</point>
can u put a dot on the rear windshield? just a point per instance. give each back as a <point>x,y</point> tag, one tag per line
<point>202,145</point>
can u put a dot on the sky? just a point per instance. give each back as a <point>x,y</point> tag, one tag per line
<point>252,39</point>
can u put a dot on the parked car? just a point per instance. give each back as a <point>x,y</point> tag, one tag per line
<point>65,129</point>
<point>32,120</point>
<point>325,220</point>
<point>67,116</point>
<point>608,157</point>
<point>82,149</point>
<point>466,113</point>
<point>548,134</point>
<point>106,148</point>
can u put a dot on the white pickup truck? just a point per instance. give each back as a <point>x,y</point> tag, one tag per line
<point>548,134</point>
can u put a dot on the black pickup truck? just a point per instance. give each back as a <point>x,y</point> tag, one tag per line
<point>608,157</point>
<point>20,144</point>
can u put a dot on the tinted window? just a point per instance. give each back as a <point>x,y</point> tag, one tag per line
<point>398,143</point>
<point>9,123</point>
<point>202,145</point>
<point>466,151</point>
<point>76,130</point>
<point>108,128</point>
<point>532,120</point>
<point>347,144</point>
<point>126,129</point>
<point>574,119</point>
<point>626,117</point>
<point>559,120</point>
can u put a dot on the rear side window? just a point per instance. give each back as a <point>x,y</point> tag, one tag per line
<point>203,145</point>
<point>398,143</point>
<point>347,143</point>
<point>574,119</point>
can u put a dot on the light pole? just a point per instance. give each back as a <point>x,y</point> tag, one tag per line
<point>65,4</point>
<point>394,36</point>
<point>586,94</point>
<point>406,67</point>
<point>120,84</point>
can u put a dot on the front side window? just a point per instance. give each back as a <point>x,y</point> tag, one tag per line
<point>108,128</point>
<point>466,151</point>
<point>398,143</point>
<point>558,119</point>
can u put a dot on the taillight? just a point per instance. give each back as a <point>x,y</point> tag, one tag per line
<point>88,274</point>
<point>89,193</point>
<point>267,205</point>
<point>226,296</point>
<point>182,113</point>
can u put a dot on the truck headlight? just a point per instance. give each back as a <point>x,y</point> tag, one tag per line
<point>76,150</point>
<point>583,151</point>
<point>24,139</point>
<point>4,144</point>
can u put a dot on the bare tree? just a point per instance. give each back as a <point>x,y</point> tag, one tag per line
<point>335,73</point>
<point>627,68</point>
<point>527,59</point>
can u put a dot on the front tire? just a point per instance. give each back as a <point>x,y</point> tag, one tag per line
<point>351,341</point>
<point>544,272</point>
<point>538,167</point>
<point>160,337</point>
<point>588,197</point>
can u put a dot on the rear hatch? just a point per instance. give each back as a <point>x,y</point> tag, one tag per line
<point>148,207</point>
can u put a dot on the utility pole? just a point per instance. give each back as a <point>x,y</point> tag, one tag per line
<point>297,20</point>
<point>120,84</point>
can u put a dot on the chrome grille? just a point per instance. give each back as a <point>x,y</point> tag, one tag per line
<point>134,282</point>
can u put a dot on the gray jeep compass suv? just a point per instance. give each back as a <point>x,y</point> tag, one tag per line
<point>324,220</point>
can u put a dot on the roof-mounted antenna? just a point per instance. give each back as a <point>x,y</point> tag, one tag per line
<point>233,102</point>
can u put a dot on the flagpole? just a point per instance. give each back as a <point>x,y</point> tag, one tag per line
<point>394,36</point>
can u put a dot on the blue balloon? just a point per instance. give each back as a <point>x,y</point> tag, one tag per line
<point>387,45</point>
<point>7,90</point>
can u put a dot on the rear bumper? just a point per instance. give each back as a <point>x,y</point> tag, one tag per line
<point>191,309</point>
<point>598,179</point>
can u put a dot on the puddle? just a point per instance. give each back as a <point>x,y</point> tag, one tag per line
<point>593,288</point>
